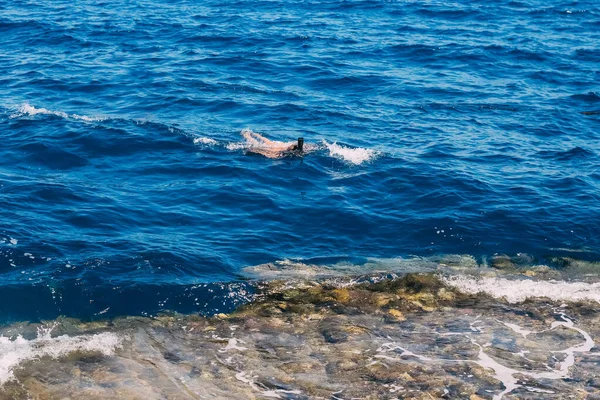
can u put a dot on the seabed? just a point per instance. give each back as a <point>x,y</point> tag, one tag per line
<point>408,337</point>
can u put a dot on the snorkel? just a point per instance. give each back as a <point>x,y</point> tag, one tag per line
<point>295,149</point>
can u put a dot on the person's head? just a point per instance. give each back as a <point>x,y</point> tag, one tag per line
<point>297,148</point>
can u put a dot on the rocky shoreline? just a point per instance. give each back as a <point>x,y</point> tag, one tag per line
<point>409,337</point>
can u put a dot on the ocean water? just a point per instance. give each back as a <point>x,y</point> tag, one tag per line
<point>437,128</point>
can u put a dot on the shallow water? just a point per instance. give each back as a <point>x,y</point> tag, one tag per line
<point>454,139</point>
<point>409,338</point>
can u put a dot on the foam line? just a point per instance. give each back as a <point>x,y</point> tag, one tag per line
<point>501,372</point>
<point>516,291</point>
<point>27,109</point>
<point>205,140</point>
<point>17,351</point>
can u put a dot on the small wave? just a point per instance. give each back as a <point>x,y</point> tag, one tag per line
<point>517,291</point>
<point>26,109</point>
<point>574,153</point>
<point>590,97</point>
<point>17,351</point>
<point>205,141</point>
<point>356,156</point>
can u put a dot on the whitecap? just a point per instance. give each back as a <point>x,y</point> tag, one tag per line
<point>19,350</point>
<point>26,109</point>
<point>519,290</point>
<point>356,156</point>
<point>205,141</point>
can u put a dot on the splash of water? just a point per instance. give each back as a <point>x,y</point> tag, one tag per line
<point>354,156</point>
<point>515,291</point>
<point>14,352</point>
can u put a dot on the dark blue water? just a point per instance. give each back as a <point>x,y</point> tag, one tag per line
<point>122,185</point>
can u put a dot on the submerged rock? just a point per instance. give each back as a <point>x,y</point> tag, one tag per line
<point>502,262</point>
<point>412,337</point>
<point>576,267</point>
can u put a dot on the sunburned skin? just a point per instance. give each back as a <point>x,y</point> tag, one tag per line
<point>266,147</point>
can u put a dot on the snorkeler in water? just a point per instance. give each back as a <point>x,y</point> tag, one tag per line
<point>272,148</point>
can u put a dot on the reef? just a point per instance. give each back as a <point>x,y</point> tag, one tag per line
<point>379,337</point>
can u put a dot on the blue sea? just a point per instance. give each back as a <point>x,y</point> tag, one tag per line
<point>468,127</point>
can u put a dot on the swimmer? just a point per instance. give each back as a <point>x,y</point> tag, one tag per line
<point>272,148</point>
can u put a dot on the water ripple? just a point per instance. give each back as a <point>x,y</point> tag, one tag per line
<point>122,161</point>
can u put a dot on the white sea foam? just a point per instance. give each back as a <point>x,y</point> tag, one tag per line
<point>88,118</point>
<point>505,374</point>
<point>233,146</point>
<point>354,156</point>
<point>519,290</point>
<point>517,329</point>
<point>248,378</point>
<point>29,110</point>
<point>17,351</point>
<point>232,344</point>
<point>394,347</point>
<point>205,140</point>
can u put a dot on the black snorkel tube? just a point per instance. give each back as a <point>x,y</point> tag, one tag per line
<point>295,150</point>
